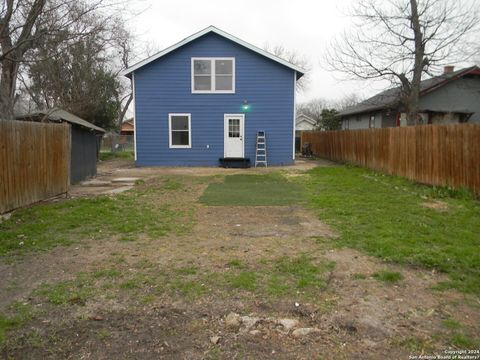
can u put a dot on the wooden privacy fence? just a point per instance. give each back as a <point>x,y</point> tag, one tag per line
<point>34,162</point>
<point>447,155</point>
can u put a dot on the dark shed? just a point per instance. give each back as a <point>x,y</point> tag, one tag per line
<point>86,141</point>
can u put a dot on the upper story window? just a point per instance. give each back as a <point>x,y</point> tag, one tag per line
<point>213,75</point>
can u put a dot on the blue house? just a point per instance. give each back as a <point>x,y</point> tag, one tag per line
<point>207,97</point>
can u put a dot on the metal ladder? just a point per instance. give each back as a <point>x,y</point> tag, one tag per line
<point>261,149</point>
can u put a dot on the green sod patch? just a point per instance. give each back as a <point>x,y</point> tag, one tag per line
<point>389,217</point>
<point>253,190</point>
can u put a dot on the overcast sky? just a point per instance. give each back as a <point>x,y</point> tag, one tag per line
<point>304,26</point>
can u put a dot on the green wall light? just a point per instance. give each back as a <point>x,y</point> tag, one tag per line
<point>245,106</point>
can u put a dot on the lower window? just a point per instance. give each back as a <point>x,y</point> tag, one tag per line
<point>179,130</point>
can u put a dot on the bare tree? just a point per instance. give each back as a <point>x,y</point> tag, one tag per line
<point>294,58</point>
<point>325,112</point>
<point>346,101</point>
<point>123,44</point>
<point>128,55</point>
<point>313,108</point>
<point>25,23</point>
<point>402,40</point>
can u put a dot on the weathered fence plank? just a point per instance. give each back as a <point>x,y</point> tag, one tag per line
<point>34,161</point>
<point>446,155</point>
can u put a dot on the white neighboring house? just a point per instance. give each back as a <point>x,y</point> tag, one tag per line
<point>304,123</point>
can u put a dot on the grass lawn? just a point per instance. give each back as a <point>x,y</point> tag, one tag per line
<point>125,217</point>
<point>108,155</point>
<point>300,277</point>
<point>386,217</point>
<point>208,266</point>
<point>253,190</point>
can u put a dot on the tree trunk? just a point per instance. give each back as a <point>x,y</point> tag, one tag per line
<point>8,81</point>
<point>124,111</point>
<point>414,91</point>
<point>8,76</point>
<point>12,53</point>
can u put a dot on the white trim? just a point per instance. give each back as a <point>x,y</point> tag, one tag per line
<point>221,33</point>
<point>189,116</point>
<point>134,119</point>
<point>294,111</point>
<point>212,76</point>
<point>225,131</point>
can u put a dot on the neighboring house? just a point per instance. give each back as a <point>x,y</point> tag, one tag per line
<point>206,97</point>
<point>127,127</point>
<point>86,141</point>
<point>303,123</point>
<point>453,97</point>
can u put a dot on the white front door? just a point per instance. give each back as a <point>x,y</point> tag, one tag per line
<point>234,131</point>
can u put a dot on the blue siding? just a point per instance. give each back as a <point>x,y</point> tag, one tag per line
<point>164,86</point>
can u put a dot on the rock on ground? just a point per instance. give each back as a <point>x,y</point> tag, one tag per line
<point>233,320</point>
<point>288,324</point>
<point>215,340</point>
<point>249,321</point>
<point>301,332</point>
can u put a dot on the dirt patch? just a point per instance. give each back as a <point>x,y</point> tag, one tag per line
<point>165,333</point>
<point>436,205</point>
<point>165,298</point>
<point>260,231</point>
<point>373,310</point>
<point>108,171</point>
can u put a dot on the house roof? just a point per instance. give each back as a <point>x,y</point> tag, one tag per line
<point>213,29</point>
<point>61,115</point>
<point>302,117</point>
<point>391,97</point>
<point>127,126</point>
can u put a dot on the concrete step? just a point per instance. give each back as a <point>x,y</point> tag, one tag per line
<point>130,180</point>
<point>96,183</point>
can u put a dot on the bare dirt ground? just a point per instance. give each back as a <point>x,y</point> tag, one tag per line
<point>172,298</point>
<point>110,170</point>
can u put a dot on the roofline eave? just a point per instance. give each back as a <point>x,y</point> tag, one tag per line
<point>127,72</point>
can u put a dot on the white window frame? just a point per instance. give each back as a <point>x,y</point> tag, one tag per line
<point>371,121</point>
<point>212,76</point>
<point>171,146</point>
